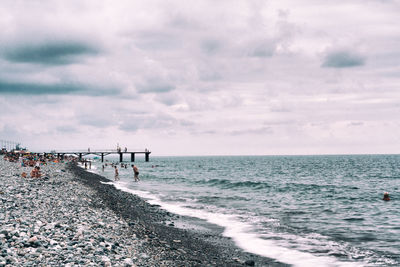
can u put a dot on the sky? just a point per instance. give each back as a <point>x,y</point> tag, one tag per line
<point>203,77</point>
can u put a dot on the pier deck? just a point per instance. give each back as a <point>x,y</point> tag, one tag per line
<point>102,154</point>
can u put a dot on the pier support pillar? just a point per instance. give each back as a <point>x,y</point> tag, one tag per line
<point>132,157</point>
<point>120,157</point>
<point>102,157</point>
<point>147,156</point>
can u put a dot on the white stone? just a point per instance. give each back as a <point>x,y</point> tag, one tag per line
<point>32,239</point>
<point>105,258</point>
<point>128,262</point>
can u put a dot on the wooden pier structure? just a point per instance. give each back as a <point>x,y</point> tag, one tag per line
<point>102,154</point>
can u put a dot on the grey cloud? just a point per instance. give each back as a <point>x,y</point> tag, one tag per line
<point>209,132</point>
<point>67,129</point>
<point>262,130</point>
<point>209,75</point>
<point>7,87</point>
<point>136,122</point>
<point>356,123</point>
<point>263,52</point>
<point>129,127</point>
<point>263,49</point>
<point>186,123</point>
<point>210,46</point>
<point>167,99</point>
<point>342,59</point>
<point>280,122</point>
<point>156,40</point>
<point>49,53</point>
<point>99,121</point>
<point>154,86</point>
<point>183,22</point>
<point>280,109</point>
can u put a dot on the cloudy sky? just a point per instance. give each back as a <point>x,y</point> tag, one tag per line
<point>202,77</point>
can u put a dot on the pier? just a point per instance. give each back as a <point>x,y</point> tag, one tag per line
<point>102,154</point>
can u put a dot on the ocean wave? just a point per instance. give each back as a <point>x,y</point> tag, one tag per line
<point>224,183</point>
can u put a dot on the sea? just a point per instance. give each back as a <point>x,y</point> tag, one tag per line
<point>300,210</point>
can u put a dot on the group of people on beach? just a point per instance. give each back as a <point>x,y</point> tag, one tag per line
<point>88,164</point>
<point>34,160</point>
<point>135,172</point>
<point>123,165</point>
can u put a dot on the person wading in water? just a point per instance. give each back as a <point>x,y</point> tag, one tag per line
<point>136,172</point>
<point>116,178</point>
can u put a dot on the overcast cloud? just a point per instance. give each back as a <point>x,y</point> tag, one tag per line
<point>205,77</point>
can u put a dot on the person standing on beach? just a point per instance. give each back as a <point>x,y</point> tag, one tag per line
<point>116,178</point>
<point>136,172</point>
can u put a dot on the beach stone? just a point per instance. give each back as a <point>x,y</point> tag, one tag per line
<point>249,262</point>
<point>4,232</point>
<point>33,239</point>
<point>49,226</point>
<point>145,256</point>
<point>128,262</point>
<point>74,220</point>
<point>105,260</point>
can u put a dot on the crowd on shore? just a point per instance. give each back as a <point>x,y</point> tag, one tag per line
<point>35,160</point>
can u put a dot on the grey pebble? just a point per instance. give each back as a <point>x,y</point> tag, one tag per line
<point>61,221</point>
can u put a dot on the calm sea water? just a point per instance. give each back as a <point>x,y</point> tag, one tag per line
<point>300,210</point>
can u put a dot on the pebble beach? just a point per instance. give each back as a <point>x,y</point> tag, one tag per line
<point>70,217</point>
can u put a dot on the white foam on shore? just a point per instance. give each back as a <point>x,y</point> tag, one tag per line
<point>240,232</point>
<point>109,183</point>
<point>92,169</point>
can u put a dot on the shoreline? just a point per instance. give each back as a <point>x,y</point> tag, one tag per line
<point>71,218</point>
<point>199,248</point>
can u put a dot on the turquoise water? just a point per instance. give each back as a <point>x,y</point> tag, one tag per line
<point>301,210</point>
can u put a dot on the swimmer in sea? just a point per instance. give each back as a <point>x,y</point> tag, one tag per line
<point>386,196</point>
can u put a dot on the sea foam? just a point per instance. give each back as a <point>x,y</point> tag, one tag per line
<point>240,232</point>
